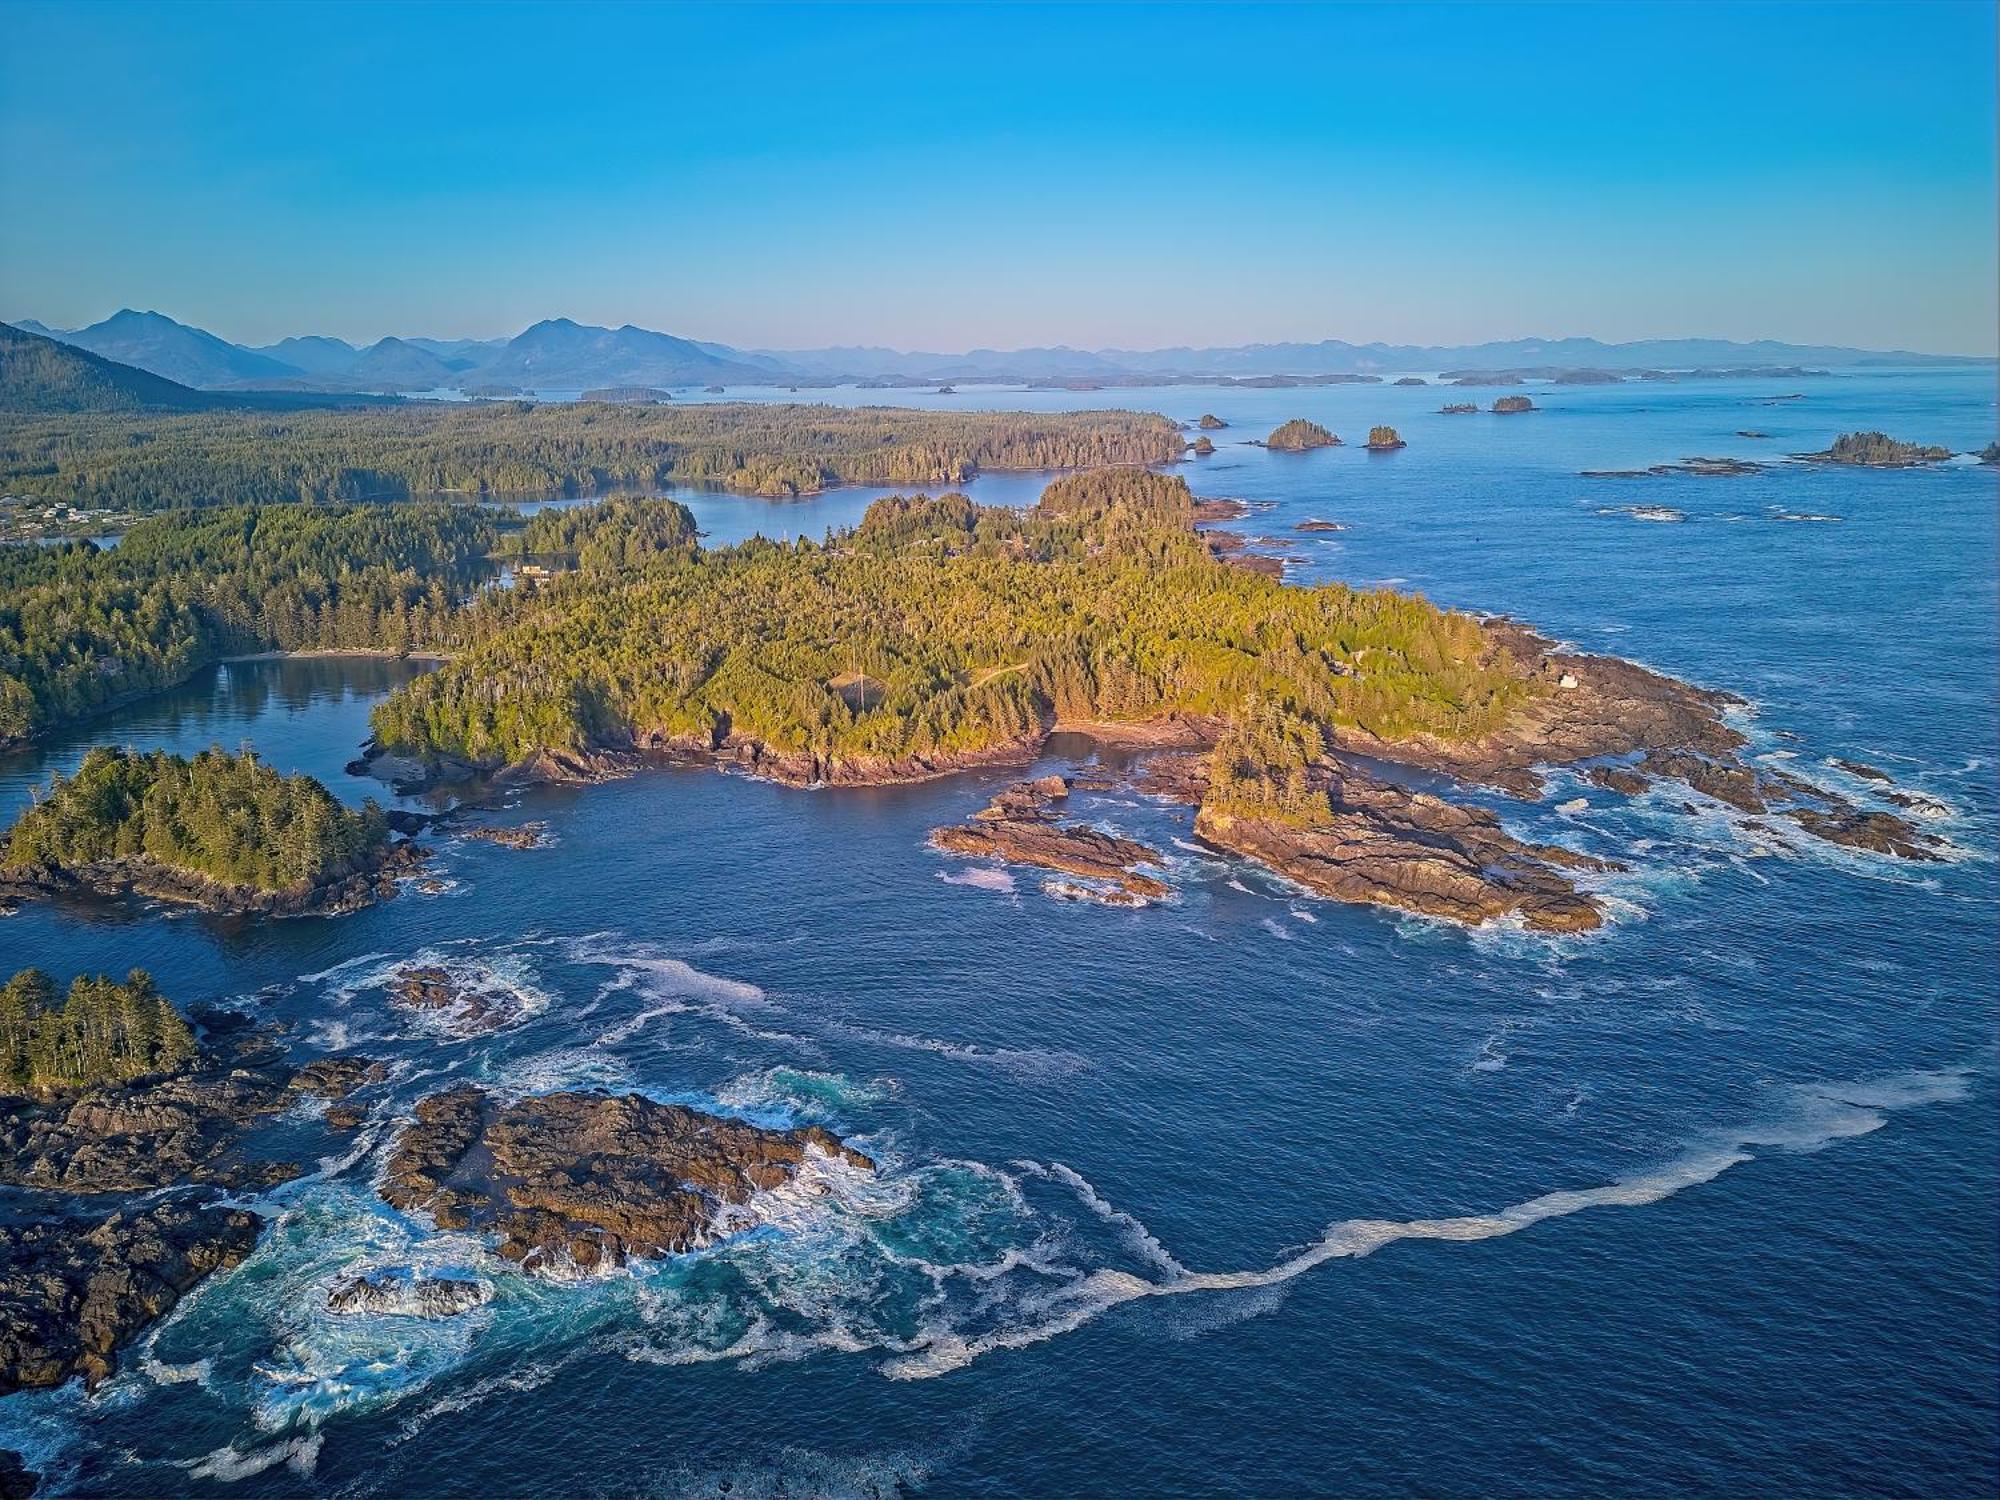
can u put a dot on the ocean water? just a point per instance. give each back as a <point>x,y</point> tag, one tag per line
<point>1245,1192</point>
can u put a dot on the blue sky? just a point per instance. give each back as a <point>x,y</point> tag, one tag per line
<point>946,178</point>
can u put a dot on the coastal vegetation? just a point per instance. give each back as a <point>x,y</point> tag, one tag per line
<point>1298,435</point>
<point>980,626</point>
<point>83,628</point>
<point>221,817</point>
<point>156,461</point>
<point>100,1032</point>
<point>1384,439</point>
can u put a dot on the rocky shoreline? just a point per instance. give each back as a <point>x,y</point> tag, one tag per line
<point>375,881</point>
<point>160,1153</point>
<point>1621,725</point>
<point>1018,828</point>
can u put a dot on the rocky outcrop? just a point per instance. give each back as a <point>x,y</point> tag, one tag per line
<point>1210,422</point>
<point>1507,405</point>
<point>395,1294</point>
<point>574,1182</point>
<point>1201,447</point>
<point>164,1132</point>
<point>1876,450</point>
<point>1857,828</point>
<point>1315,524</point>
<point>1297,435</point>
<point>1458,408</point>
<point>73,1291</point>
<point>1386,845</point>
<point>527,836</point>
<point>1583,708</point>
<point>458,1004</point>
<point>1018,828</point>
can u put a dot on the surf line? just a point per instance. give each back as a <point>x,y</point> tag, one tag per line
<point>1821,1115</point>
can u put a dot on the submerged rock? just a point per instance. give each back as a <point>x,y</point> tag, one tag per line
<point>460,1006</point>
<point>578,1181</point>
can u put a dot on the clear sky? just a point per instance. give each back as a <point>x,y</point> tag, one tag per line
<point>947,178</point>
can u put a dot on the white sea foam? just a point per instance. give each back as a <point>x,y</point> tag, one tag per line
<point>230,1464</point>
<point>980,877</point>
<point>1818,1115</point>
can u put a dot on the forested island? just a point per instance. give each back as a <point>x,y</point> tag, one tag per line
<point>130,461</point>
<point>979,630</point>
<point>221,831</point>
<point>1877,450</point>
<point>1384,440</point>
<point>1298,435</point>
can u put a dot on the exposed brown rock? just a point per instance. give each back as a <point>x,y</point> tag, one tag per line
<point>162,1132</point>
<point>1878,832</point>
<point>585,1179</point>
<point>1388,846</point>
<point>1016,827</point>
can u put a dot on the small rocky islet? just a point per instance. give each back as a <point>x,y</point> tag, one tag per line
<point>575,1182</point>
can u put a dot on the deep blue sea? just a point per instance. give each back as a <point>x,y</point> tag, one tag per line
<point>1247,1192</point>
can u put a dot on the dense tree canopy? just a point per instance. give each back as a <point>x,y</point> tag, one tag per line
<point>83,628</point>
<point>153,461</point>
<point>981,625</point>
<point>1299,434</point>
<point>226,817</point>
<point>100,1032</point>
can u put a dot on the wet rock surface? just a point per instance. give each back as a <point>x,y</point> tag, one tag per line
<point>1018,827</point>
<point>573,1182</point>
<point>461,1006</point>
<point>390,1294</point>
<point>74,1290</point>
<point>527,836</point>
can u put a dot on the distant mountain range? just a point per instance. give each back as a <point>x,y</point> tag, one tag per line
<point>561,355</point>
<point>39,375</point>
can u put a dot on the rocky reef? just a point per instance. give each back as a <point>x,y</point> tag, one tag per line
<point>1458,408</point>
<point>574,1182</point>
<point>74,1287</point>
<point>458,1004</point>
<point>1018,827</point>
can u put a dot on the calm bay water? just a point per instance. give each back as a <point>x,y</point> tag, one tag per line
<point>1132,1160</point>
